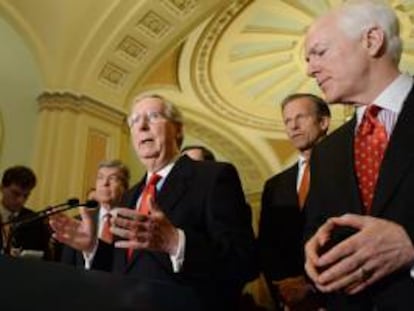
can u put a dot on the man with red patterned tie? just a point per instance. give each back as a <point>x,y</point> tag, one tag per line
<point>306,118</point>
<point>112,180</point>
<point>190,225</point>
<point>359,213</point>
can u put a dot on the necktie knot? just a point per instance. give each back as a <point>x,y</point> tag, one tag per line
<point>369,120</point>
<point>155,178</point>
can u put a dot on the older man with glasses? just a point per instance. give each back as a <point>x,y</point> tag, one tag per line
<point>184,222</point>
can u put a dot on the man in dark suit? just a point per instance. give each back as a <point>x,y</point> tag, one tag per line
<point>353,53</point>
<point>112,180</point>
<point>198,152</point>
<point>16,186</point>
<point>306,118</point>
<point>198,230</point>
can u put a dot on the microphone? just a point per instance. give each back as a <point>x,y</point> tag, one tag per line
<point>69,204</point>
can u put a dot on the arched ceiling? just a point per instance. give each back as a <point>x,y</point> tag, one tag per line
<point>227,63</point>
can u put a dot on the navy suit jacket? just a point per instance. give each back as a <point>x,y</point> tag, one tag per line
<point>334,191</point>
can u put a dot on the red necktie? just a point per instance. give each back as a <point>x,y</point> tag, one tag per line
<point>304,184</point>
<point>106,234</point>
<point>143,207</point>
<point>369,147</point>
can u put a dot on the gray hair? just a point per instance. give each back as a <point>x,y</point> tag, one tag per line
<point>123,169</point>
<point>357,16</point>
<point>171,110</point>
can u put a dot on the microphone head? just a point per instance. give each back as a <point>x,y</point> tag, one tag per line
<point>73,202</point>
<point>91,203</point>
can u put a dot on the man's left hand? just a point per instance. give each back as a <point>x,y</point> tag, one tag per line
<point>153,232</point>
<point>379,248</point>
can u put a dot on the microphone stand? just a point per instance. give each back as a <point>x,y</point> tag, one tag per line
<point>15,223</point>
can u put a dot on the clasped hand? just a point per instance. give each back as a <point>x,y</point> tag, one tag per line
<point>379,248</point>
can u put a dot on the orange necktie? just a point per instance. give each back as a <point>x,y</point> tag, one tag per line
<point>369,146</point>
<point>143,207</point>
<point>304,185</point>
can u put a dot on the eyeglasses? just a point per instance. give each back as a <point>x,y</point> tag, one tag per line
<point>151,117</point>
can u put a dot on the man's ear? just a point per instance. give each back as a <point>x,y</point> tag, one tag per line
<point>179,135</point>
<point>324,122</point>
<point>374,41</point>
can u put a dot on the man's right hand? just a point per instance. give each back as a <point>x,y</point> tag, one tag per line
<point>294,291</point>
<point>78,234</point>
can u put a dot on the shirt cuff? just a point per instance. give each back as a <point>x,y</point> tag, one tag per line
<point>177,259</point>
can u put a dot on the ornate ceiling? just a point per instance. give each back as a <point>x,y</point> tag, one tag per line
<point>227,64</point>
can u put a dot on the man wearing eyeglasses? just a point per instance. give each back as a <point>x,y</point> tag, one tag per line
<point>198,228</point>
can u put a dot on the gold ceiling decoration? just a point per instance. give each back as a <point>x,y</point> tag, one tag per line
<point>250,56</point>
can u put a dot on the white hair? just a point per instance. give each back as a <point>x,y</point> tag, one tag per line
<point>357,16</point>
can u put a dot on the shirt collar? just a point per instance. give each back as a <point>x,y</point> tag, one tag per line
<point>392,97</point>
<point>302,160</point>
<point>162,172</point>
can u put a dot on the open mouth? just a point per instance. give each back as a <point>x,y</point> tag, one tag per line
<point>296,136</point>
<point>147,140</point>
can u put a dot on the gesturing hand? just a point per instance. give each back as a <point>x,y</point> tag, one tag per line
<point>153,231</point>
<point>78,234</point>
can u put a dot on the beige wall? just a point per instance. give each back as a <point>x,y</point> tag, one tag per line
<point>20,84</point>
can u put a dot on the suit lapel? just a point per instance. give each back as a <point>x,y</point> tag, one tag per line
<point>172,189</point>
<point>292,176</point>
<point>343,158</point>
<point>398,156</point>
<point>175,185</point>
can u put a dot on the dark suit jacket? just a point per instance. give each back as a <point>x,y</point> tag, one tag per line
<point>281,227</point>
<point>334,191</point>
<point>205,200</point>
<point>30,236</point>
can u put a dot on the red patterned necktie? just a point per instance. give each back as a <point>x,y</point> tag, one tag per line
<point>106,234</point>
<point>148,193</point>
<point>369,147</point>
<point>304,184</point>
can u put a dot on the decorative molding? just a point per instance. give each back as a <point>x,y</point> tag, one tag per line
<point>81,104</point>
<point>154,25</point>
<point>131,49</point>
<point>112,75</point>
<point>181,7</point>
<point>204,85</point>
<point>250,56</point>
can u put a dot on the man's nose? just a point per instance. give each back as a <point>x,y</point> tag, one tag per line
<point>143,123</point>
<point>312,68</point>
